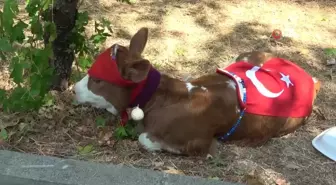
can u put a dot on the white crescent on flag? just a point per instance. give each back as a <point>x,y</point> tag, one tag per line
<point>251,74</point>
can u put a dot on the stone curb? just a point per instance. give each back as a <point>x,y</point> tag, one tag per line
<point>26,169</point>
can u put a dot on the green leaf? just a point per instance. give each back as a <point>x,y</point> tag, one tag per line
<point>36,27</point>
<point>5,45</point>
<point>121,132</point>
<point>107,24</point>
<point>40,83</point>
<point>2,56</point>
<point>330,52</point>
<point>100,122</point>
<point>14,101</point>
<point>53,33</point>
<point>2,95</point>
<point>49,100</point>
<point>35,89</point>
<point>3,134</point>
<point>46,4</point>
<point>84,62</point>
<point>98,38</point>
<point>79,148</point>
<point>76,76</point>
<point>33,7</point>
<point>18,32</point>
<point>82,21</point>
<point>51,29</point>
<point>85,150</point>
<point>131,132</point>
<point>17,73</point>
<point>41,58</point>
<point>10,10</point>
<point>1,24</point>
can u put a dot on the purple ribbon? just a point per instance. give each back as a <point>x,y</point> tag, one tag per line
<point>152,83</point>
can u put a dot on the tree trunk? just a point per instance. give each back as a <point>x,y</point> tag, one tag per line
<point>64,15</point>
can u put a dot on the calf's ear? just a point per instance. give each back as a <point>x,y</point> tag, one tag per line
<point>138,42</point>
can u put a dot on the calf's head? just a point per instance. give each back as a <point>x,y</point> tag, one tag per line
<point>115,74</point>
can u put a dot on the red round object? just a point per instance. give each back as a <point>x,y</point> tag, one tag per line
<point>277,34</point>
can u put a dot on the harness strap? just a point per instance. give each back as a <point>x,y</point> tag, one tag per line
<point>242,112</point>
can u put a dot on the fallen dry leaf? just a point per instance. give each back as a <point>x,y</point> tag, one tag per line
<point>172,170</point>
<point>292,166</point>
<point>2,142</point>
<point>158,164</point>
<point>9,120</point>
<point>250,179</point>
<point>105,137</point>
<point>281,182</point>
<point>214,178</point>
<point>82,129</point>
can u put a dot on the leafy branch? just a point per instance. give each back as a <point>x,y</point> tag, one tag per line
<point>28,55</point>
<point>87,47</point>
<point>21,44</point>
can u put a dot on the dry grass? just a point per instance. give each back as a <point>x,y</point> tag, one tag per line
<point>190,38</point>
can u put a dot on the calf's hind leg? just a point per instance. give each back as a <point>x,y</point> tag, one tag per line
<point>152,144</point>
<point>203,147</point>
<point>199,146</point>
<point>149,143</point>
<point>290,126</point>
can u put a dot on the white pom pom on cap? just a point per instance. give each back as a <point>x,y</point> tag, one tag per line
<point>137,114</point>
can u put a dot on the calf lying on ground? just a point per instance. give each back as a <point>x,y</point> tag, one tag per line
<point>257,98</point>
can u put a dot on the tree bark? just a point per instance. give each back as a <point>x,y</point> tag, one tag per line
<point>64,15</point>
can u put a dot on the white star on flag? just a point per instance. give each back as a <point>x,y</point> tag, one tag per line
<point>286,79</point>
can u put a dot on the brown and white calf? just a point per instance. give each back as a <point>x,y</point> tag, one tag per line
<point>188,117</point>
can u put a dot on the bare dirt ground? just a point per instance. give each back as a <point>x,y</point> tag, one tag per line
<point>190,38</point>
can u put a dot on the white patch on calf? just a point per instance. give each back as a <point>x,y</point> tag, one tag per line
<point>209,157</point>
<point>237,110</point>
<point>84,95</point>
<point>190,86</point>
<point>204,88</point>
<point>148,144</point>
<point>245,59</point>
<point>231,84</point>
<point>155,146</point>
<point>315,80</point>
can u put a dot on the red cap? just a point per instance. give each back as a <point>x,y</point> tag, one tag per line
<point>106,68</point>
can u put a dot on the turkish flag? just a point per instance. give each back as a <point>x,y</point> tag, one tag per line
<point>278,88</point>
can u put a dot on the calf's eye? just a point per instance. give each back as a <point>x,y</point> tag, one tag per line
<point>95,80</point>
